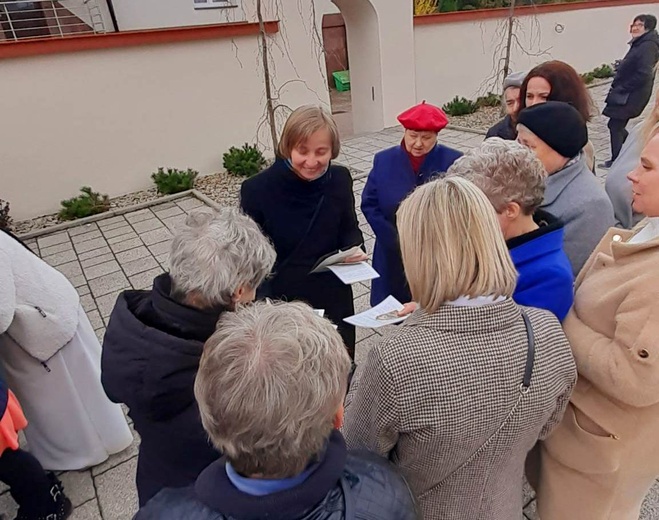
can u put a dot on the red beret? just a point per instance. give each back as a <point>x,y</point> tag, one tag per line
<point>423,117</point>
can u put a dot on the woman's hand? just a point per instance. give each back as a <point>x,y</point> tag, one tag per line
<point>407,309</point>
<point>354,259</point>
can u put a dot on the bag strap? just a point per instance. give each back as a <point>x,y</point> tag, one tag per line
<point>530,355</point>
<point>313,220</point>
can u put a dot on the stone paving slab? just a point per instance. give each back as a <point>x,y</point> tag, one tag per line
<point>127,251</point>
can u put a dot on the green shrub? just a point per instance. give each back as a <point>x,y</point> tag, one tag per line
<point>245,161</point>
<point>5,219</point>
<point>588,78</point>
<point>460,106</point>
<point>603,71</point>
<point>174,181</point>
<point>89,203</point>
<point>491,100</point>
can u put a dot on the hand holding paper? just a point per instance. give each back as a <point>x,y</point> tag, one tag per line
<point>386,313</point>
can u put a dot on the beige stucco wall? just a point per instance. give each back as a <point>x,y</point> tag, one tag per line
<point>109,118</point>
<point>456,59</point>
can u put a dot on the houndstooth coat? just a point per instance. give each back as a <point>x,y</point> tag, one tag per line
<point>441,398</point>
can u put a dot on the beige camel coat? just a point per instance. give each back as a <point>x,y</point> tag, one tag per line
<point>604,456</point>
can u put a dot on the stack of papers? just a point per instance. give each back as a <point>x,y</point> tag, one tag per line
<point>383,314</point>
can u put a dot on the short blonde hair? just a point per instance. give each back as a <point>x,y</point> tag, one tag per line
<point>452,244</point>
<point>505,171</point>
<point>302,123</point>
<point>270,382</point>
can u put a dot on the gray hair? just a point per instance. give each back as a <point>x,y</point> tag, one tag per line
<point>215,253</point>
<point>506,171</point>
<point>270,382</point>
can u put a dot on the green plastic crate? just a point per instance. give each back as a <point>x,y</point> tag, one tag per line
<point>342,80</point>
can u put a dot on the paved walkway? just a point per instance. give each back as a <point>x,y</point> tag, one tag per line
<point>128,251</point>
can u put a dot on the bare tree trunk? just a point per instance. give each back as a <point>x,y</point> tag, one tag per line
<point>509,41</point>
<point>266,77</point>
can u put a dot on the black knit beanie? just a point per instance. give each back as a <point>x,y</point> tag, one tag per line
<point>558,124</point>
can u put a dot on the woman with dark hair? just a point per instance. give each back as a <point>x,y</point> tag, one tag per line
<point>558,81</point>
<point>632,86</point>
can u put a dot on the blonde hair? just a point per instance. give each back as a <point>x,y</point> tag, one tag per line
<point>302,123</point>
<point>452,245</point>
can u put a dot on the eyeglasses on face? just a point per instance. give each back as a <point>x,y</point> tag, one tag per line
<point>641,25</point>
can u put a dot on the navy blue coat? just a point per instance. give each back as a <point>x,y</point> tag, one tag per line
<point>545,273</point>
<point>390,181</point>
<point>150,358</point>
<point>346,486</point>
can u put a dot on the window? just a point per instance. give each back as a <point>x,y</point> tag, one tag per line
<point>210,4</point>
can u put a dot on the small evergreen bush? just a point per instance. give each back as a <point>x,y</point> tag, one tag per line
<point>460,106</point>
<point>89,203</point>
<point>174,181</point>
<point>5,219</point>
<point>491,100</point>
<point>603,71</point>
<point>245,161</point>
<point>588,77</point>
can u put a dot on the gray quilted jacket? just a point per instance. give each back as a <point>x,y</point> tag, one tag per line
<point>441,398</point>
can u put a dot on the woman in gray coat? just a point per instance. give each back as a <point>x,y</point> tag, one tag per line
<point>458,395</point>
<point>557,133</point>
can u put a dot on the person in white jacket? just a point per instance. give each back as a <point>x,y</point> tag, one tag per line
<point>51,359</point>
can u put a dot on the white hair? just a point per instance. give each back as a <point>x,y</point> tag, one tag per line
<point>270,382</point>
<point>505,171</point>
<point>214,254</point>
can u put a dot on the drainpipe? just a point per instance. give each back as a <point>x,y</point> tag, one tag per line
<point>113,15</point>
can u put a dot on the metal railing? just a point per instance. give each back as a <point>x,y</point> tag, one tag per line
<point>49,19</point>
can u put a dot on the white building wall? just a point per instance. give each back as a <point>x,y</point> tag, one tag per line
<point>457,58</point>
<point>109,118</point>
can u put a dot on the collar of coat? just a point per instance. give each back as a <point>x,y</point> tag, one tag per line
<point>559,181</point>
<point>485,318</point>
<point>216,491</point>
<point>619,243</point>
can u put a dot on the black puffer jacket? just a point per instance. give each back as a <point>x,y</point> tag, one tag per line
<point>635,77</point>
<point>151,354</point>
<point>345,486</point>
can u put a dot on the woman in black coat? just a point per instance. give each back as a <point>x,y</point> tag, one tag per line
<point>306,206</point>
<point>632,86</point>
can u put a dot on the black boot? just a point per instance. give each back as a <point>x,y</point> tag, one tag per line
<point>58,506</point>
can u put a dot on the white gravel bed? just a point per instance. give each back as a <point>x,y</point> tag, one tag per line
<point>220,187</point>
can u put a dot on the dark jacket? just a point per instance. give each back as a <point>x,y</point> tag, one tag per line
<point>4,397</point>
<point>634,78</point>
<point>283,205</point>
<point>503,129</point>
<point>150,358</point>
<point>545,274</point>
<point>390,181</point>
<point>345,486</point>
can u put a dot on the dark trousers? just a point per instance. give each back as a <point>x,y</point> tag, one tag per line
<point>28,483</point>
<point>618,130</point>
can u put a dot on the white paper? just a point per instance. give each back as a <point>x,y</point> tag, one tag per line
<point>369,319</point>
<point>320,312</point>
<point>336,259</point>
<point>353,273</point>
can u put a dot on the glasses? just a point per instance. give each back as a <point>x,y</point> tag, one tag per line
<point>638,24</point>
